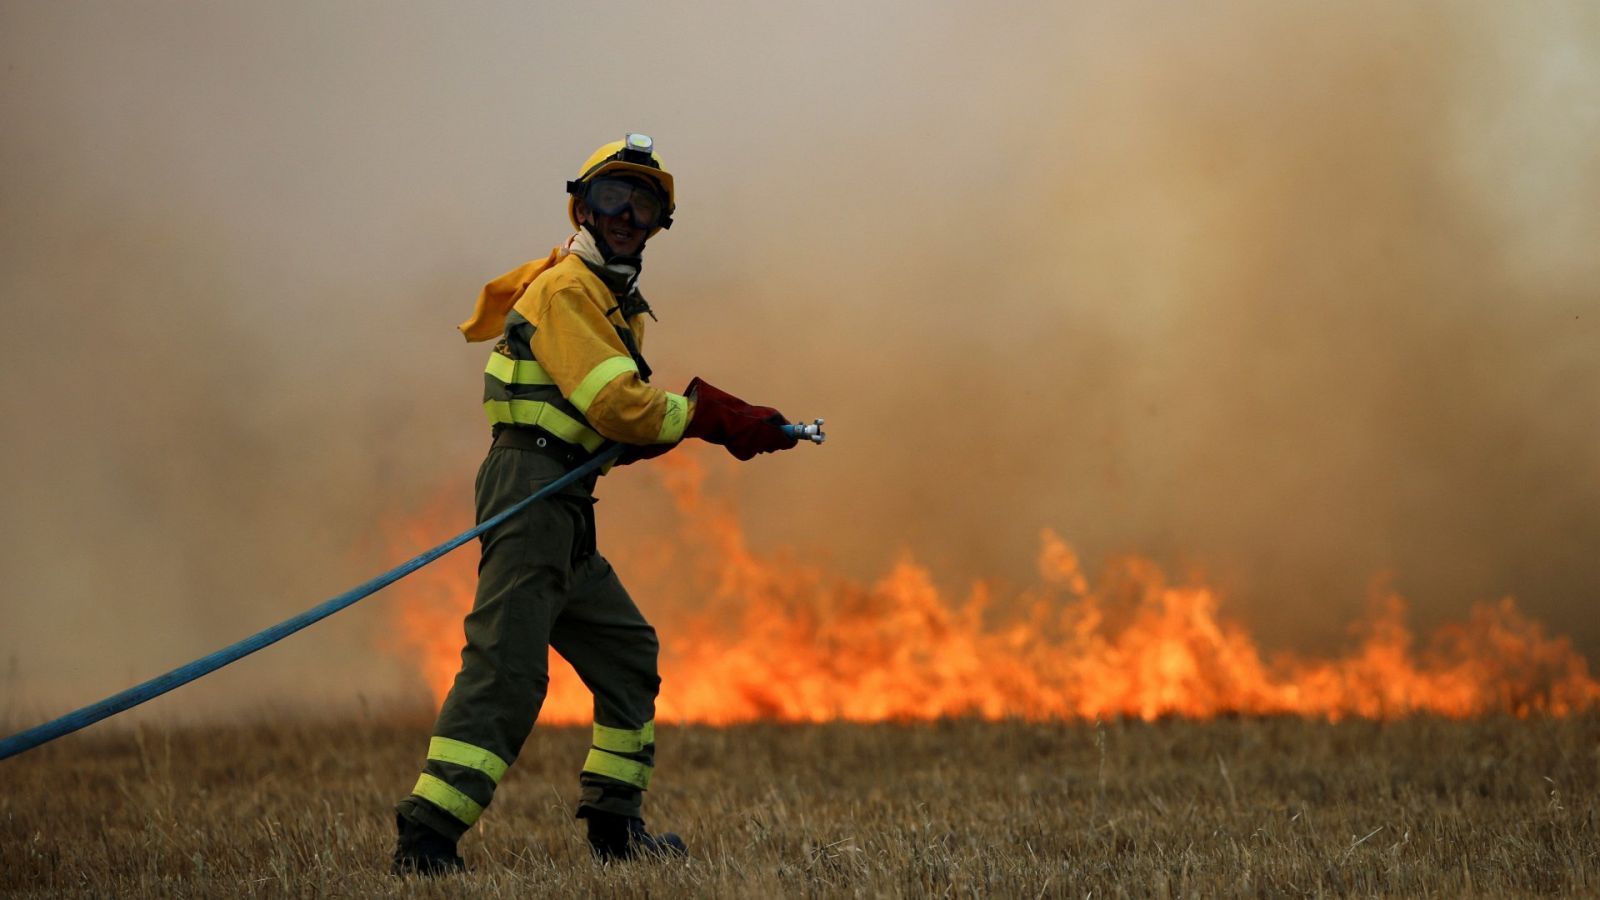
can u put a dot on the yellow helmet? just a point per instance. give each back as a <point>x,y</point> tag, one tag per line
<point>634,154</point>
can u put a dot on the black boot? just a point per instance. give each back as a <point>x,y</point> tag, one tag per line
<point>614,837</point>
<point>420,850</point>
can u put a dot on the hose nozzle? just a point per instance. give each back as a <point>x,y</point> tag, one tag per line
<point>803,432</point>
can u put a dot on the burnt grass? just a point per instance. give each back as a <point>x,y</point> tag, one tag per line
<point>1233,807</point>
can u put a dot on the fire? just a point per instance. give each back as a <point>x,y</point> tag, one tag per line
<point>772,638</point>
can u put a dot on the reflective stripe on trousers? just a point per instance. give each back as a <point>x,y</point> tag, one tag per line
<point>623,755</point>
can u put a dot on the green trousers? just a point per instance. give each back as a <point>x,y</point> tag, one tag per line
<point>541,584</point>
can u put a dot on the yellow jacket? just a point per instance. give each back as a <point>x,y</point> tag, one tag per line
<point>565,363</point>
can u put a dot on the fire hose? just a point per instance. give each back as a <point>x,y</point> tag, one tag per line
<point>82,718</point>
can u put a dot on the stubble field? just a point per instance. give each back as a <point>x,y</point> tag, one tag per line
<point>1269,807</point>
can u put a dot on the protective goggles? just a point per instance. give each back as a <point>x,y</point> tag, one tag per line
<point>610,196</point>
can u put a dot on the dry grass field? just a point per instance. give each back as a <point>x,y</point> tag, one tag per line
<point>1259,807</point>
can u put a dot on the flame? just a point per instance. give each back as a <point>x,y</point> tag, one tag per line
<point>776,639</point>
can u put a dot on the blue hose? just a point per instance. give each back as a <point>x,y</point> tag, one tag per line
<point>155,687</point>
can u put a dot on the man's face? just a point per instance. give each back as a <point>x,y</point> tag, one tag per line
<point>620,231</point>
<point>625,238</point>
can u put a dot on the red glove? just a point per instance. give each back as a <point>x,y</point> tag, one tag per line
<point>722,418</point>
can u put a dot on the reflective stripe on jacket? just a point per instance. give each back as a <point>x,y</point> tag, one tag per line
<point>564,365</point>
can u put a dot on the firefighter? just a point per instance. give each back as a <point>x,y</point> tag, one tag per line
<point>567,376</point>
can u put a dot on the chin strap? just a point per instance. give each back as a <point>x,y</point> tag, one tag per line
<point>620,273</point>
<point>600,243</point>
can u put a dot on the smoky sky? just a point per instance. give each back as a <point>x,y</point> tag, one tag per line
<point>1295,298</point>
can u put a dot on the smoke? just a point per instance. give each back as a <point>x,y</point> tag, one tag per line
<point>1298,296</point>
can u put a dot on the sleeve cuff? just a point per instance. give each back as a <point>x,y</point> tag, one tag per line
<point>674,420</point>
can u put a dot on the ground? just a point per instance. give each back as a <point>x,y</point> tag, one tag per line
<point>1269,807</point>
